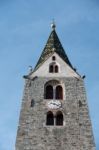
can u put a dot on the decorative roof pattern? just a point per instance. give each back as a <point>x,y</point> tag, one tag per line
<point>53,45</point>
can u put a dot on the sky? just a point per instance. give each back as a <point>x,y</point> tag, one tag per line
<point>24,30</point>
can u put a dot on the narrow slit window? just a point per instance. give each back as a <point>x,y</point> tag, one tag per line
<point>32,102</point>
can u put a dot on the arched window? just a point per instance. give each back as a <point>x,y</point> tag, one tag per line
<point>56,68</point>
<point>59,92</point>
<point>59,119</point>
<point>51,68</point>
<point>53,58</point>
<point>50,119</point>
<point>49,92</point>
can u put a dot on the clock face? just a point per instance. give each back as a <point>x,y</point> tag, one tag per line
<point>54,104</point>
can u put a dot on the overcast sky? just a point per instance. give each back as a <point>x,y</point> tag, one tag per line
<point>24,30</point>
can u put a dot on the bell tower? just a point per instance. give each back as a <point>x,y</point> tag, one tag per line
<point>54,113</point>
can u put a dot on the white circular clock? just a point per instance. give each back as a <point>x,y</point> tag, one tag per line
<point>54,104</point>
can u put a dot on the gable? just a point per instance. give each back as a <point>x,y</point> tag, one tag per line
<point>64,69</point>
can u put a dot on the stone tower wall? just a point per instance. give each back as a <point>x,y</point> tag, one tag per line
<point>75,134</point>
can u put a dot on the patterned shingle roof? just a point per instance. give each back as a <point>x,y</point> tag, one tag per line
<point>53,45</point>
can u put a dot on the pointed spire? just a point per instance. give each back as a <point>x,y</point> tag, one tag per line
<point>53,45</point>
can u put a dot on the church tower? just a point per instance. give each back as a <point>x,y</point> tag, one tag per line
<point>54,113</point>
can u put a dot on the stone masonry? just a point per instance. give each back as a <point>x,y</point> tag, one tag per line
<point>75,132</point>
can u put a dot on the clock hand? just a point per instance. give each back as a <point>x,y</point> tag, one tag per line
<point>52,103</point>
<point>55,104</point>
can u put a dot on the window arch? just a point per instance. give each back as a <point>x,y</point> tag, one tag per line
<point>59,92</point>
<point>56,68</point>
<point>59,119</point>
<point>51,69</point>
<point>53,89</point>
<point>50,118</point>
<point>53,58</point>
<point>49,92</point>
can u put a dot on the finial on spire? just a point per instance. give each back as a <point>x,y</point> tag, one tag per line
<point>53,26</point>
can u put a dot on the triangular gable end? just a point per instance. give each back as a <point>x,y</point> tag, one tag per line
<point>53,45</point>
<point>43,69</point>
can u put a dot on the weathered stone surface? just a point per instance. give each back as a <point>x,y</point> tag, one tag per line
<point>75,134</point>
